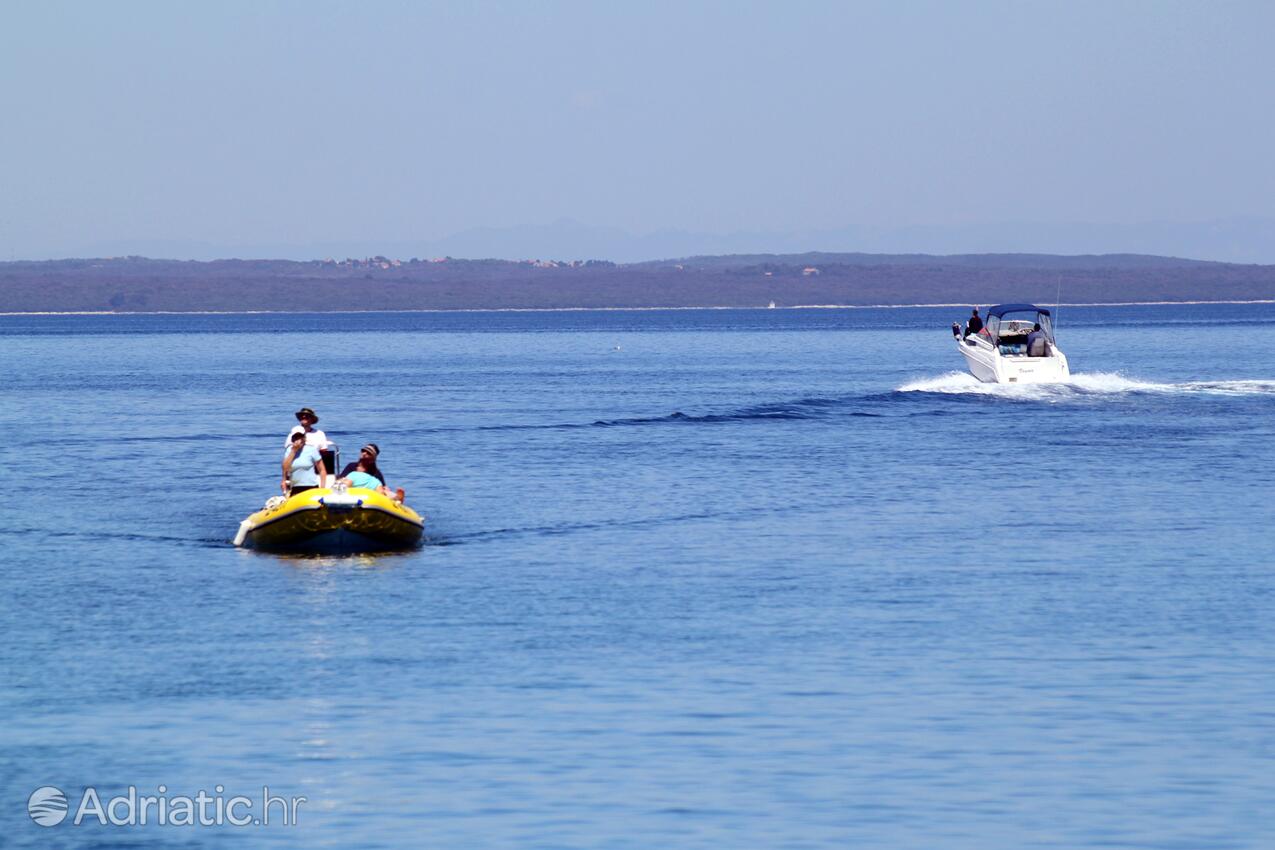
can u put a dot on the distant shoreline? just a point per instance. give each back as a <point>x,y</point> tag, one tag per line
<point>138,286</point>
<point>962,304</point>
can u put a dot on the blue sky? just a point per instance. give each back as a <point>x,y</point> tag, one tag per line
<point>296,127</point>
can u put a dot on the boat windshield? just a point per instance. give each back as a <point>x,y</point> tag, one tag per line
<point>1016,324</point>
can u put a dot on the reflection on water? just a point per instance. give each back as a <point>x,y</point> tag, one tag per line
<point>354,560</point>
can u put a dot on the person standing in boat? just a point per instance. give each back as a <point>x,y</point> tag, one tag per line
<point>303,467</point>
<point>313,436</point>
<point>974,325</point>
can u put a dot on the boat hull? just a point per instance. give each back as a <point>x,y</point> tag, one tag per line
<point>323,521</point>
<point>991,367</point>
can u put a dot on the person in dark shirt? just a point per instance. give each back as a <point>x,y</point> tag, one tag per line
<point>974,325</point>
<point>366,463</point>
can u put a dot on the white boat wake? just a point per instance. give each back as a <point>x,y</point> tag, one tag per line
<point>1083,384</point>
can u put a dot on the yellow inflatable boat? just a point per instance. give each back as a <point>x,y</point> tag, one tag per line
<point>326,520</point>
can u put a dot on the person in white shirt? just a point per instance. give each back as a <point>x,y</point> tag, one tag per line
<point>313,436</point>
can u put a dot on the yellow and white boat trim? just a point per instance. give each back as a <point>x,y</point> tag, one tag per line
<point>329,520</point>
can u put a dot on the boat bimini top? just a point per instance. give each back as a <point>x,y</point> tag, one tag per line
<point>1011,320</point>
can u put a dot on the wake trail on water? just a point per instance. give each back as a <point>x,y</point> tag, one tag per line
<point>1084,384</point>
<point>892,403</point>
<point>796,409</point>
<point>805,408</point>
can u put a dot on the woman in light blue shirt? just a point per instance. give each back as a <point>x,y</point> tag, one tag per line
<point>358,478</point>
<point>303,467</point>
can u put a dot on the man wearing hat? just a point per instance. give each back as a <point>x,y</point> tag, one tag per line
<point>313,436</point>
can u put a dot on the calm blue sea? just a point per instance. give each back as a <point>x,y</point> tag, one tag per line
<point>693,579</point>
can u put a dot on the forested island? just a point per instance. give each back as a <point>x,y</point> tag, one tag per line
<point>138,284</point>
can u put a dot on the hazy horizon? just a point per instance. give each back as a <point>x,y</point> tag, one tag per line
<point>571,130</point>
<point>1245,241</point>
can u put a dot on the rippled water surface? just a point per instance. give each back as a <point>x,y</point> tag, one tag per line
<point>693,579</point>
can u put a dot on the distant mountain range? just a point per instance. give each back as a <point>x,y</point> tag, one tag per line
<point>137,284</point>
<point>1234,240</point>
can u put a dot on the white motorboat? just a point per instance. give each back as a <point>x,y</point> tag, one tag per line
<point>1016,346</point>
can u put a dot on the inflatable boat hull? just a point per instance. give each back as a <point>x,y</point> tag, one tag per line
<point>324,521</point>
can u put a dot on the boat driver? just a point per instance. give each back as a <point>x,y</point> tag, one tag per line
<point>1037,343</point>
<point>313,436</point>
<point>303,467</point>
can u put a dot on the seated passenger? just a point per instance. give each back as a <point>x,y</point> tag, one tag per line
<point>1037,343</point>
<point>364,473</point>
<point>367,462</point>
<point>303,467</point>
